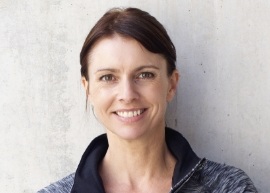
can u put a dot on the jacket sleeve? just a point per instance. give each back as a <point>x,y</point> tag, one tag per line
<point>224,178</point>
<point>62,186</point>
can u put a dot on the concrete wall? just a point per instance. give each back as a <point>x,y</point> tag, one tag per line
<point>222,105</point>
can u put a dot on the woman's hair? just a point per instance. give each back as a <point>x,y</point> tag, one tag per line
<point>133,23</point>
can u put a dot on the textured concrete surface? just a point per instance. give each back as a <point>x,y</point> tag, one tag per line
<point>222,105</point>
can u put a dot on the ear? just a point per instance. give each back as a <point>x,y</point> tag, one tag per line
<point>173,83</point>
<point>85,85</point>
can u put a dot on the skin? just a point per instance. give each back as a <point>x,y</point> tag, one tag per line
<point>129,89</point>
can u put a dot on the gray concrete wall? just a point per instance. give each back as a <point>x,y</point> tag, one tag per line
<point>222,105</point>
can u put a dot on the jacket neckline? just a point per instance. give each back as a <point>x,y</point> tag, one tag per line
<point>87,178</point>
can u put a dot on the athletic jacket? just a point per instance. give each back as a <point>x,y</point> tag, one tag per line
<point>191,174</point>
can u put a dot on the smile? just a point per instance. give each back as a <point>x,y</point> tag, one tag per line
<point>129,114</point>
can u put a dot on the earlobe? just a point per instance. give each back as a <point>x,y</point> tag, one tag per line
<point>174,78</point>
<point>85,85</point>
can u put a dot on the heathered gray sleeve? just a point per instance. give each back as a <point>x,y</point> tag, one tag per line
<point>62,186</point>
<point>223,178</point>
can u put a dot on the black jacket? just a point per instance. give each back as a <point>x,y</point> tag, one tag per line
<point>191,174</point>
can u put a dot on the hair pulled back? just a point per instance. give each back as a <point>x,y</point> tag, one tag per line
<point>133,23</point>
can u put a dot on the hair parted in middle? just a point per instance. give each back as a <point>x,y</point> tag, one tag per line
<point>131,23</point>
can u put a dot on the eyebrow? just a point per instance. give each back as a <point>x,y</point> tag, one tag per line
<point>107,69</point>
<point>137,69</point>
<point>146,66</point>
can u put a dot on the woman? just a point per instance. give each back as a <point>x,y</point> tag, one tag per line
<point>129,75</point>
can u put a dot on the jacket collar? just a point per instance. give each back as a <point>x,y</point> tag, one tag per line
<point>87,178</point>
<point>186,158</point>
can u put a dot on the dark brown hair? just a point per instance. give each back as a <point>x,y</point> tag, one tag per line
<point>133,23</point>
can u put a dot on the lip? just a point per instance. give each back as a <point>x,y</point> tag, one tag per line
<point>133,118</point>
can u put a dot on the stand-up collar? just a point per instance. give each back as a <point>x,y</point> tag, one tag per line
<point>180,148</point>
<point>87,178</point>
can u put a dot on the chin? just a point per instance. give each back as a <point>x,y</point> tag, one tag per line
<point>129,134</point>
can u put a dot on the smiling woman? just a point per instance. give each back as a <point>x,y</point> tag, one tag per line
<point>124,79</point>
<point>129,75</point>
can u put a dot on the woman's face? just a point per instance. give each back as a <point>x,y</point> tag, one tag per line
<point>129,87</point>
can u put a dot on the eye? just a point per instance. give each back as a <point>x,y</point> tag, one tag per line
<point>146,75</point>
<point>107,78</point>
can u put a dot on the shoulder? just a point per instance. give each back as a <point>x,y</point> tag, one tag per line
<point>224,178</point>
<point>62,186</point>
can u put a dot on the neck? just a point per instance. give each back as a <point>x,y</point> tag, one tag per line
<point>137,160</point>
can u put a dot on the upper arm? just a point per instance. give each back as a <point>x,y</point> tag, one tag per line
<point>62,186</point>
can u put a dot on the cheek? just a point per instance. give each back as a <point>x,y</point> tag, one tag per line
<point>99,97</point>
<point>158,92</point>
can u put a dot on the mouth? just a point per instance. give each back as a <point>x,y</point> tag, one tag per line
<point>130,113</point>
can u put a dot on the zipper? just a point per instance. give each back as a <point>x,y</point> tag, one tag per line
<point>177,187</point>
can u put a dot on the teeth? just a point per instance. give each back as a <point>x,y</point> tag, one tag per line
<point>129,114</point>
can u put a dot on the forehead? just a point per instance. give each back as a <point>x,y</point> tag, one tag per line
<point>119,50</point>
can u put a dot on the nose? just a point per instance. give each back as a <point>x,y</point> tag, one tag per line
<point>127,91</point>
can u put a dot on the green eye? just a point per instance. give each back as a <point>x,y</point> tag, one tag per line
<point>107,78</point>
<point>146,75</point>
